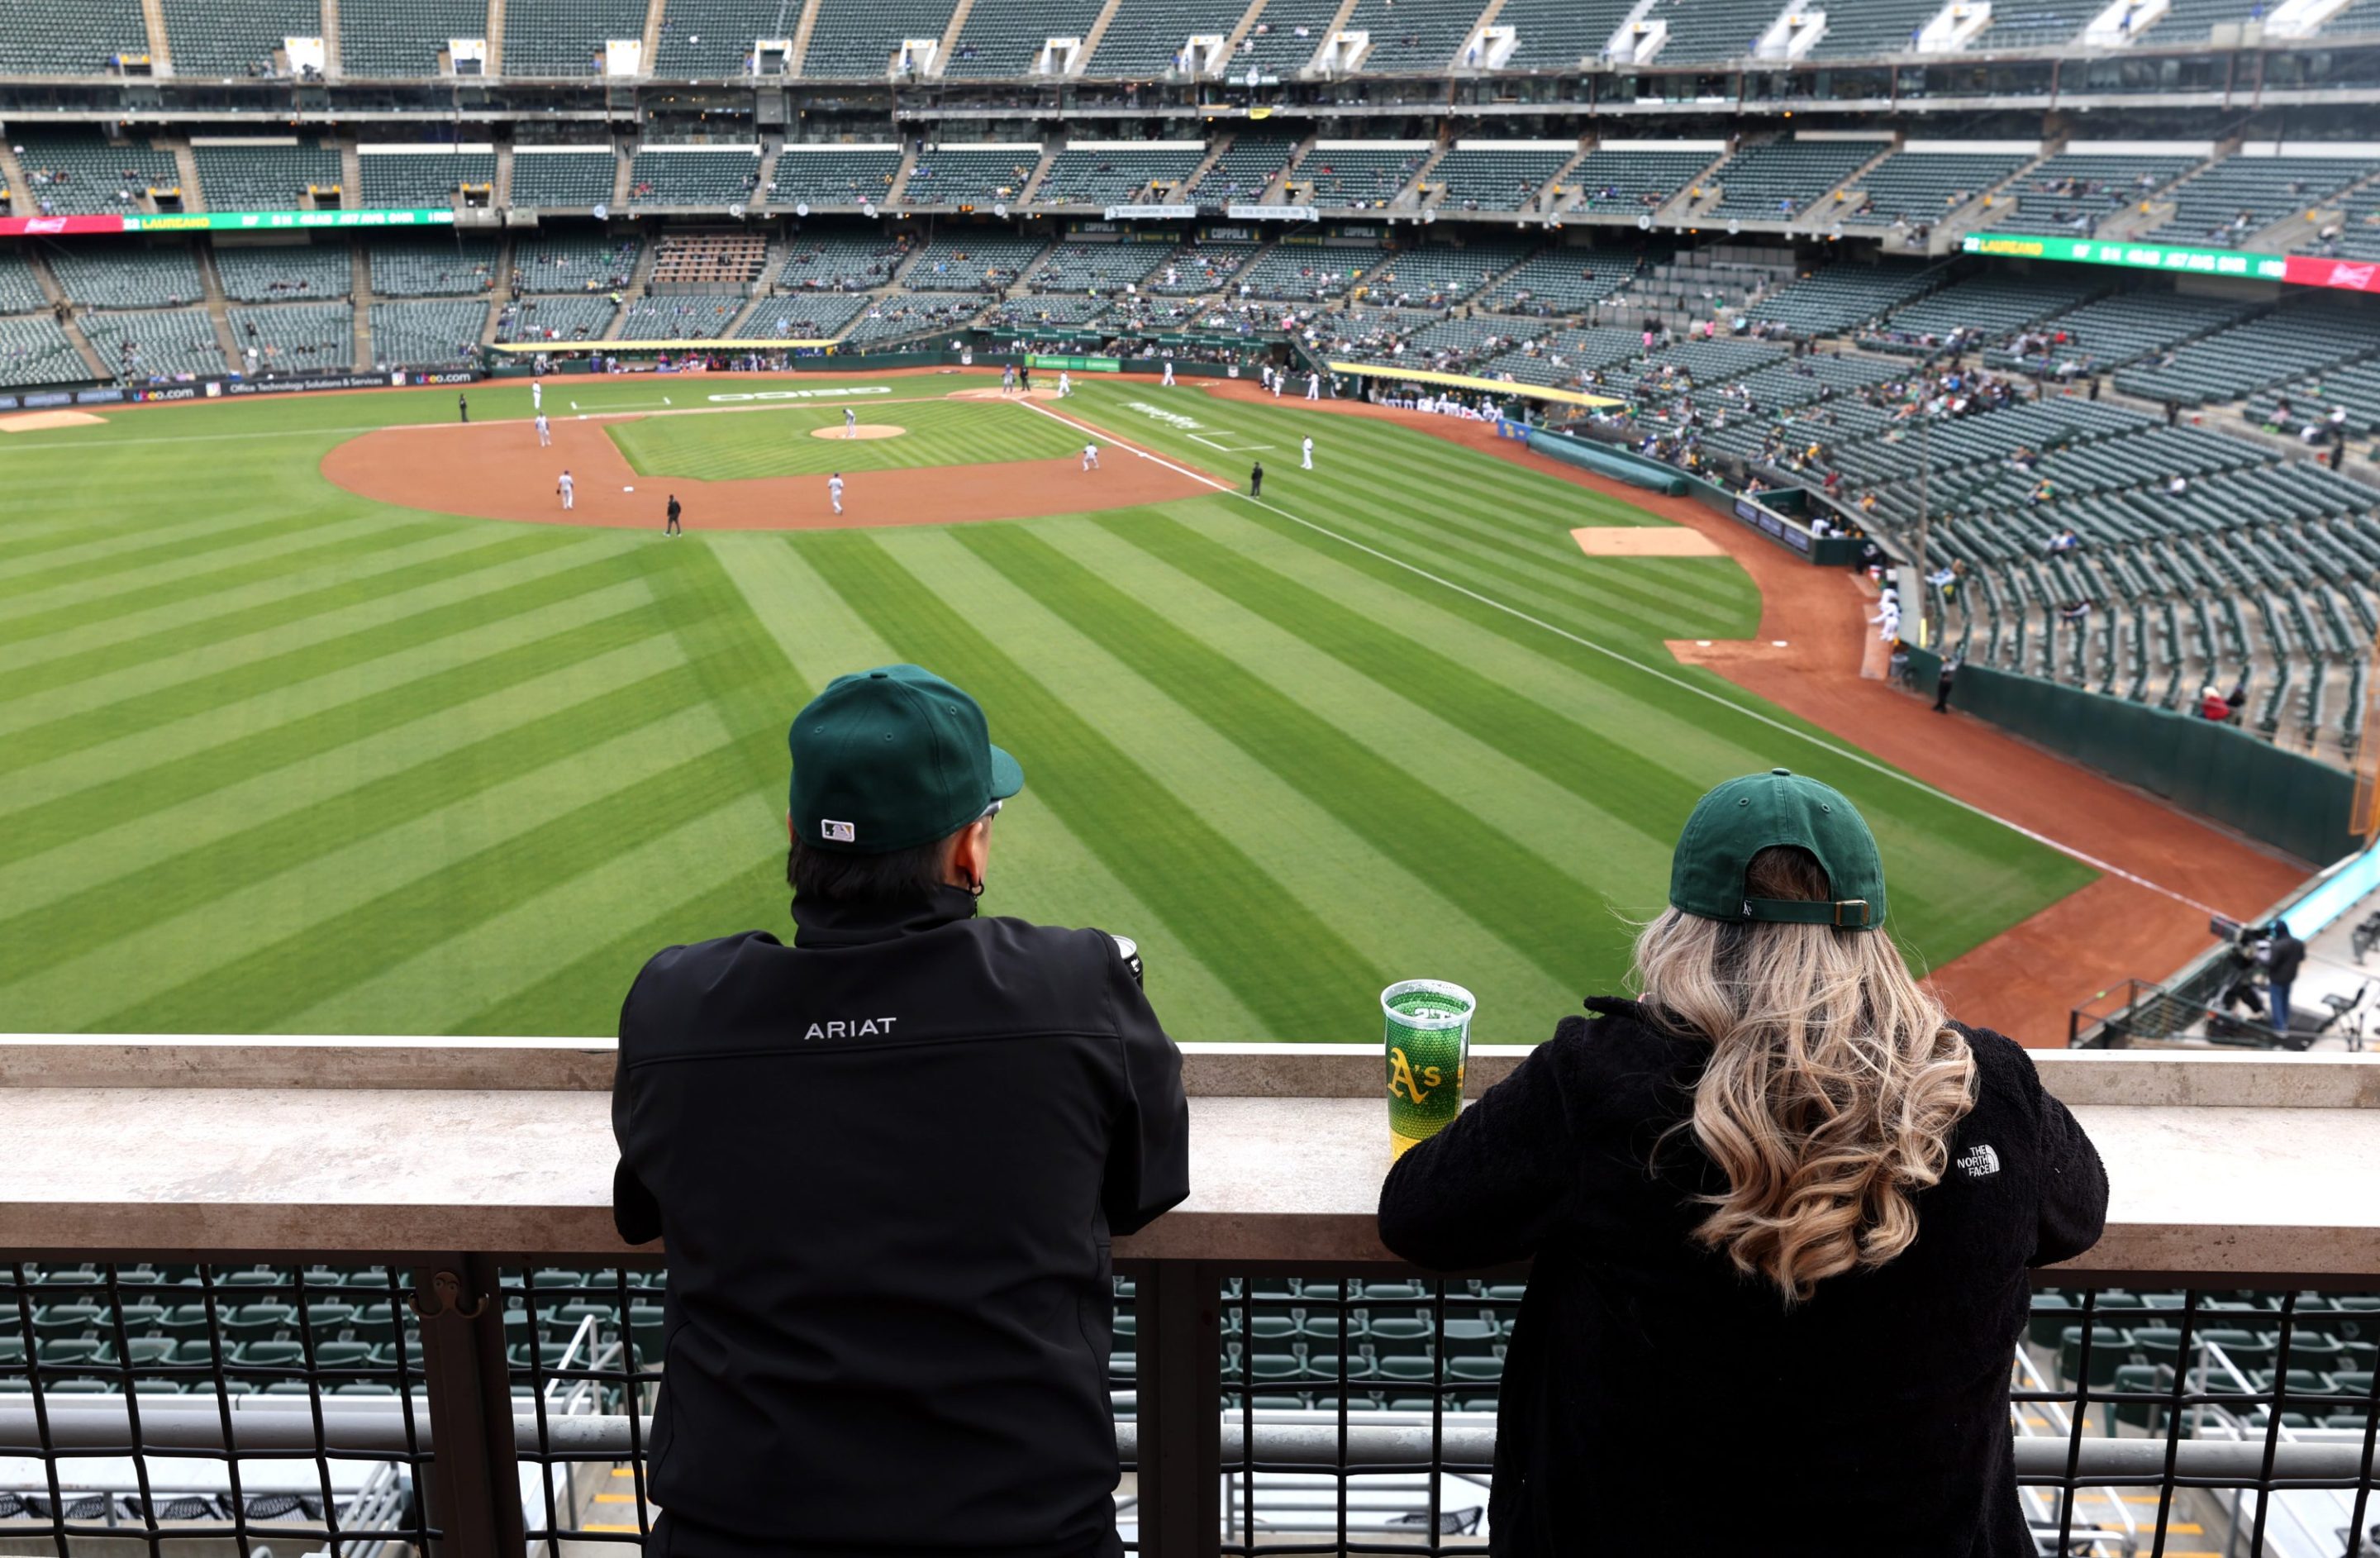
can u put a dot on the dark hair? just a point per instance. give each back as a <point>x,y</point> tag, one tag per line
<point>834,876</point>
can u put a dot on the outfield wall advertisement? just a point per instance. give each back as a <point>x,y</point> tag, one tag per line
<point>2298,270</point>
<point>221,221</point>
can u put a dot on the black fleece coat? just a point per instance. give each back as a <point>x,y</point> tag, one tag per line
<point>1647,1375</point>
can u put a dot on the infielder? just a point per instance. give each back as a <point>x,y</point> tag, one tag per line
<point>1065,384</point>
<point>1090,456</point>
<point>835,490</point>
<point>1168,381</point>
<point>536,395</point>
<point>850,423</point>
<point>1313,387</point>
<point>1307,450</point>
<point>544,432</point>
<point>568,489</point>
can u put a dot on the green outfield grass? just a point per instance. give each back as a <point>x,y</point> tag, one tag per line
<point>744,445</point>
<point>273,758</point>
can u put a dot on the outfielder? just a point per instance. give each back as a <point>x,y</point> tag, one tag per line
<point>1168,381</point>
<point>850,423</point>
<point>1307,450</point>
<point>835,490</point>
<point>1090,456</point>
<point>544,432</point>
<point>1313,387</point>
<point>1065,384</point>
<point>568,489</point>
<point>536,395</point>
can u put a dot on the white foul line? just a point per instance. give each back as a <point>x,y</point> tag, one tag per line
<point>1846,753</point>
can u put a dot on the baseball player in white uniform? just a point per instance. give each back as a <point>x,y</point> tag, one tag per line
<point>1313,386</point>
<point>1278,381</point>
<point>1065,384</point>
<point>835,490</point>
<point>1307,450</point>
<point>544,432</point>
<point>1090,456</point>
<point>568,489</point>
<point>850,423</point>
<point>536,395</point>
<point>1266,370</point>
<point>1167,382</point>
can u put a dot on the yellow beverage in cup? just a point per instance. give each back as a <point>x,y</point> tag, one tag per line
<point>1428,1040</point>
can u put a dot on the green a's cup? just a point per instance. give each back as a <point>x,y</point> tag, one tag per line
<point>1428,1040</point>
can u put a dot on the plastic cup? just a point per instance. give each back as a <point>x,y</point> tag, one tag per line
<point>1429,1040</point>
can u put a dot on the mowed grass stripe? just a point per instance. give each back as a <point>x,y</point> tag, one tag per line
<point>56,737</point>
<point>781,442</point>
<point>381,704</point>
<point>1636,791</point>
<point>181,880</point>
<point>581,997</point>
<point>1222,904</point>
<point>137,841</point>
<point>1044,872</point>
<point>152,546</point>
<point>64,658</point>
<point>1500,883</point>
<point>628,800</point>
<point>193,587</point>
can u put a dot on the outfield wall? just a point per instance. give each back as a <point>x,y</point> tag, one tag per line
<point>2219,771</point>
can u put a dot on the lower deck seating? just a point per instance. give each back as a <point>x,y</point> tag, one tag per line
<point>988,263</point>
<point>19,292</point>
<point>736,258</point>
<point>34,350</point>
<point>584,262</point>
<point>432,267</point>
<point>297,338</point>
<point>127,273</point>
<point>154,342</point>
<point>283,273</point>
<point>799,316</point>
<point>1303,271</point>
<point>909,313</point>
<point>426,334</point>
<point>701,317</point>
<point>562,317</point>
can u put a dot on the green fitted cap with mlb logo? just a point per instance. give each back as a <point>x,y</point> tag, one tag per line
<point>892,759</point>
<point>1746,816</point>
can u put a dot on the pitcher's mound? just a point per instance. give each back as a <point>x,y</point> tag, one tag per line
<point>865,430</point>
<point>37,421</point>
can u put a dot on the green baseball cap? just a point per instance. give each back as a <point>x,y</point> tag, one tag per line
<point>1744,816</point>
<point>892,759</point>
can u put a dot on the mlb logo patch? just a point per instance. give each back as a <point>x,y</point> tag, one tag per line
<point>838,832</point>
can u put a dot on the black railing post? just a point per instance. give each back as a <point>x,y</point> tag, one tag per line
<point>1180,1410</point>
<point>472,1490</point>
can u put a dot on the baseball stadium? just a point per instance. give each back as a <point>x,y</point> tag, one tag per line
<point>1377,464</point>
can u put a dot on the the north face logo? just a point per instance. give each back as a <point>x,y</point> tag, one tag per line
<point>1980,1161</point>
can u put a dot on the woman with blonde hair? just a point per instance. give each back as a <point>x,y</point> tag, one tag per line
<point>1780,1210</point>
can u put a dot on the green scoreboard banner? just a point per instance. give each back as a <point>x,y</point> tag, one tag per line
<point>2300,270</point>
<point>1075,364</point>
<point>223,222</point>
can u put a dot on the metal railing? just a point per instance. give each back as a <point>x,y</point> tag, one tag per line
<point>480,1404</point>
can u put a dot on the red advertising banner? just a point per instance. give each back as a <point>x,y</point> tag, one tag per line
<point>2355,275</point>
<point>11,226</point>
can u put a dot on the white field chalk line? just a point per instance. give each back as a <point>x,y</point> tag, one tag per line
<point>1861,759</point>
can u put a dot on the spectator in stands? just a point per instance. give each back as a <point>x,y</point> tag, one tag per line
<point>2212,705</point>
<point>2282,954</point>
<point>1781,1175</point>
<point>888,1160</point>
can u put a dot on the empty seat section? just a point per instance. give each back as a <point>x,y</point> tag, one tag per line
<point>680,317</point>
<point>1835,297</point>
<point>712,40</point>
<point>2190,22</point>
<point>1198,268</point>
<point>1106,174</point>
<point>1051,309</point>
<point>798,316</point>
<point>565,37</point>
<point>1440,276</point>
<point>563,262</point>
<point>853,262</point>
<point>1305,271</point>
<point>834,176</point>
<point>125,273</point>
<point>1981,310</point>
<point>426,334</point>
<point>70,37</point>
<point>1095,267</point>
<point>207,38</point>
<point>2036,24</point>
<point>703,176</point>
<point>2240,196</point>
<point>1711,30</point>
<point>556,317</point>
<point>1497,180</point>
<point>1634,179</point>
<point>987,263</point>
<point>75,172</point>
<point>1412,36</point>
<point>1145,37</point>
<point>2075,192</point>
<point>1922,187</point>
<point>909,313</point>
<point>1559,281</point>
<point>1561,34</point>
<point>1245,169</point>
<point>735,258</point>
<point>1284,38</point>
<point>19,292</point>
<point>34,350</point>
<point>388,38</point>
<point>298,338</point>
<point>859,41</point>
<point>1873,28</point>
<point>283,273</point>
<point>2116,330</point>
<point>2227,364</point>
<point>1336,174</point>
<point>262,176</point>
<point>412,179</point>
<point>1005,37</point>
<point>431,267</point>
<point>555,178</point>
<point>1785,178</point>
<point>154,344</point>
<point>977,175</point>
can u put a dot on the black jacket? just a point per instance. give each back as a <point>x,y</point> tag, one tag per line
<point>887,1161</point>
<point>1644,1373</point>
<point>2283,959</point>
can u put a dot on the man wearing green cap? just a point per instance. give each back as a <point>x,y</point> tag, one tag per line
<point>1780,1209</point>
<point>887,1161</point>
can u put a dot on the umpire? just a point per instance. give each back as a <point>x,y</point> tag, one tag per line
<point>887,1161</point>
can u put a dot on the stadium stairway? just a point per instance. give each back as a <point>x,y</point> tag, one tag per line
<point>504,200</point>
<point>645,58</point>
<point>1215,150</point>
<point>501,293</point>
<point>185,170</point>
<point>1977,215</point>
<point>803,27</point>
<point>640,282</point>
<point>331,70</point>
<point>2296,234</point>
<point>623,177</point>
<point>1339,20</point>
<point>900,186</point>
<point>495,36</point>
<point>351,172</point>
<point>1093,33</point>
<point>363,305</point>
<point>1032,189</point>
<point>218,311</point>
<point>1247,20</point>
<point>951,35</point>
<point>161,48</point>
<point>770,150</point>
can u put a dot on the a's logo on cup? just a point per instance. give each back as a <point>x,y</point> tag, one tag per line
<point>838,832</point>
